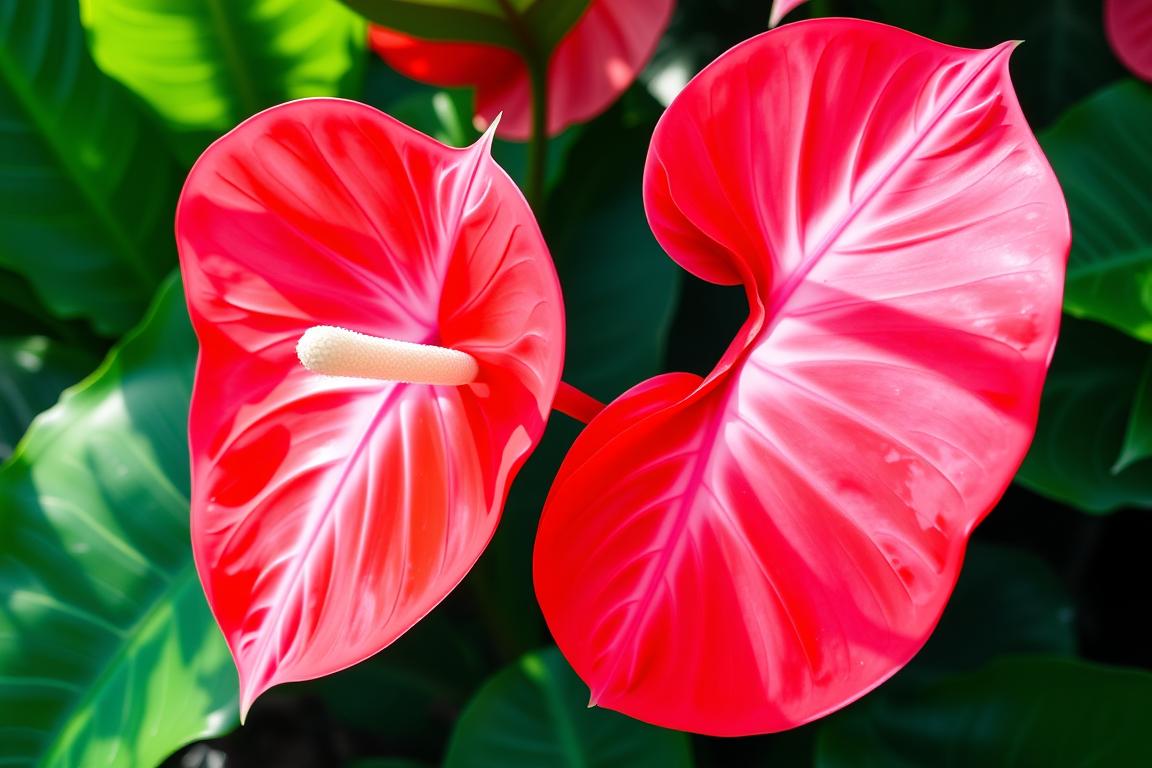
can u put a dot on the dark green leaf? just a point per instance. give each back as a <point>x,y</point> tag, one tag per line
<point>1138,436</point>
<point>1006,601</point>
<point>536,713</point>
<point>108,654</point>
<point>1025,711</point>
<point>533,27</point>
<point>1084,416</point>
<point>205,65</point>
<point>33,372</point>
<point>1102,152</point>
<point>86,189</point>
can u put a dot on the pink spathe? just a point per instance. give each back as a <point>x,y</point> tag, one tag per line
<point>330,514</point>
<point>746,552</point>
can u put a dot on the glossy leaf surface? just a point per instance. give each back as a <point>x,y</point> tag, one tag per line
<point>1129,27</point>
<point>588,68</point>
<point>746,552</point>
<point>108,653</point>
<point>205,65</point>
<point>329,515</point>
<point>1102,152</point>
<point>86,190</point>
<point>1086,452</point>
<point>536,713</point>
<point>1026,711</point>
<point>33,372</point>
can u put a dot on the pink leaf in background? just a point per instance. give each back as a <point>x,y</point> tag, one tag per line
<point>744,553</point>
<point>595,62</point>
<point>330,514</point>
<point>780,9</point>
<point>1128,24</point>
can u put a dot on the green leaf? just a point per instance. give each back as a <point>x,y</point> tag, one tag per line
<point>33,372</point>
<point>410,694</point>
<point>536,713</point>
<point>1007,601</point>
<point>108,653</point>
<point>1085,414</point>
<point>1138,436</point>
<point>1102,152</point>
<point>532,27</point>
<point>1019,712</point>
<point>86,189</point>
<point>620,287</point>
<point>206,65</point>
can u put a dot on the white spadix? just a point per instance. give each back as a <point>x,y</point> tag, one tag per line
<point>336,351</point>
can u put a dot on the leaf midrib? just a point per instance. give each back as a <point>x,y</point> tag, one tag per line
<point>247,102</point>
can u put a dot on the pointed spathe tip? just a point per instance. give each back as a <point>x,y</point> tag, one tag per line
<point>484,143</point>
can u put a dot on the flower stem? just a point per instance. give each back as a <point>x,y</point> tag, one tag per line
<point>576,404</point>
<point>538,143</point>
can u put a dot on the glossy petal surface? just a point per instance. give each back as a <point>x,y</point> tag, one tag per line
<point>1128,24</point>
<point>330,514</point>
<point>746,552</point>
<point>594,63</point>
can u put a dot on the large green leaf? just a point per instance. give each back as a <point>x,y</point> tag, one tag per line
<point>86,189</point>
<point>1102,152</point>
<point>108,654</point>
<point>33,372</point>
<point>533,27</point>
<point>1085,413</point>
<point>536,713</point>
<point>205,65</point>
<point>1017,713</point>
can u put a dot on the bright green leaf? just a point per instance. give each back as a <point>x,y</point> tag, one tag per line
<point>33,372</point>
<point>1014,713</point>
<point>1102,152</point>
<point>205,65</point>
<point>536,713</point>
<point>86,189</point>
<point>1084,415</point>
<point>108,653</point>
<point>533,27</point>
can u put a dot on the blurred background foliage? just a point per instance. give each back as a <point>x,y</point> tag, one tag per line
<point>108,655</point>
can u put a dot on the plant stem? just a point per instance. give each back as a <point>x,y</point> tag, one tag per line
<point>538,143</point>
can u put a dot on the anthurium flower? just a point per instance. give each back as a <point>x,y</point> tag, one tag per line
<point>334,505</point>
<point>1128,24</point>
<point>745,552</point>
<point>592,65</point>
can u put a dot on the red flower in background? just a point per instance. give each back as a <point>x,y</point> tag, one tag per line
<point>595,62</point>
<point>330,513</point>
<point>746,552</point>
<point>1128,24</point>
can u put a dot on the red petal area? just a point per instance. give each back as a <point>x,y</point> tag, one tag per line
<point>595,62</point>
<point>1129,27</point>
<point>755,551</point>
<point>329,515</point>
